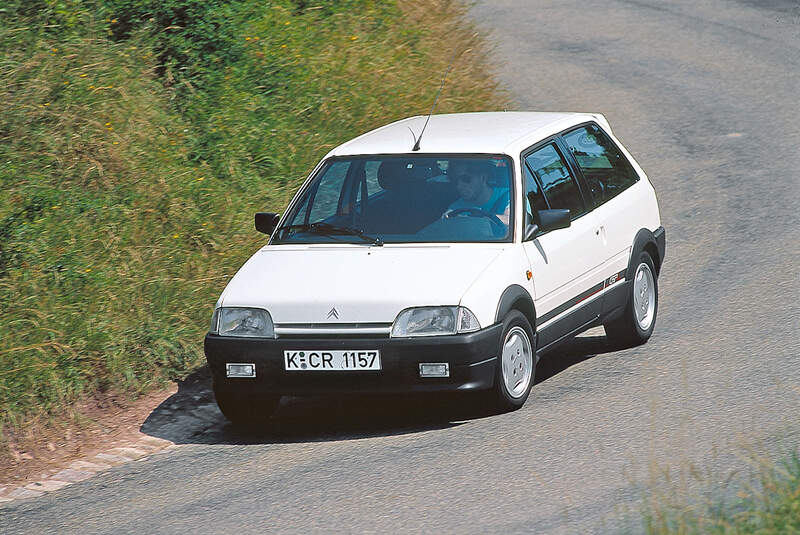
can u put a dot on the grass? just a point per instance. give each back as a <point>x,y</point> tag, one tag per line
<point>771,506</point>
<point>138,138</point>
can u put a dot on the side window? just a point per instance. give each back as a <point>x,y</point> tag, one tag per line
<point>534,200</point>
<point>605,168</point>
<point>560,187</point>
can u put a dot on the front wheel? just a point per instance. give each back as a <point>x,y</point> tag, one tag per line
<point>246,410</point>
<point>516,365</point>
<point>638,320</point>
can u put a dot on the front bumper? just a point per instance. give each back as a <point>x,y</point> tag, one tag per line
<point>472,358</point>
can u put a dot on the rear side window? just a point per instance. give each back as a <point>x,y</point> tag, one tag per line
<point>558,184</point>
<point>607,171</point>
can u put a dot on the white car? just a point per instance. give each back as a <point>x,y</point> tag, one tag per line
<point>452,267</point>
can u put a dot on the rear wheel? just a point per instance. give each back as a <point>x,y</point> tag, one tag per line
<point>247,409</point>
<point>638,320</point>
<point>516,364</point>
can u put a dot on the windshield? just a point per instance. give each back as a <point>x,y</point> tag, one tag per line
<point>404,199</point>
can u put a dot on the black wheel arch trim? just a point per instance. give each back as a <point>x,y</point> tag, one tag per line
<point>508,301</point>
<point>644,240</point>
<point>661,245</point>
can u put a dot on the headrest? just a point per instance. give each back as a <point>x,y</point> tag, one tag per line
<point>396,174</point>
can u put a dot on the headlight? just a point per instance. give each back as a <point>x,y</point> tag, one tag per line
<point>248,322</point>
<point>432,321</point>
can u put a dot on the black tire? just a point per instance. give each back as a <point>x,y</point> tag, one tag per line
<point>503,399</point>
<point>627,330</point>
<point>247,409</point>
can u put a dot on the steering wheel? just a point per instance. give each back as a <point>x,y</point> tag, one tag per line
<point>477,212</point>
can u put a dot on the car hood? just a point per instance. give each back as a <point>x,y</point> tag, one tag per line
<point>303,283</point>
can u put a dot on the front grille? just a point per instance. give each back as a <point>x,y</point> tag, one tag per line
<point>304,330</point>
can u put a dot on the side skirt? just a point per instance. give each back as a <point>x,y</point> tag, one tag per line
<point>570,334</point>
<point>616,299</point>
<point>574,323</point>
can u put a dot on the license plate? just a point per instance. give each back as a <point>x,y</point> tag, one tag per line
<point>324,360</point>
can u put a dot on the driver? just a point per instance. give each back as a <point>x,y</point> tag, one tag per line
<point>472,184</point>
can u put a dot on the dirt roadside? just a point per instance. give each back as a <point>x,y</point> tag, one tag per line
<point>94,426</point>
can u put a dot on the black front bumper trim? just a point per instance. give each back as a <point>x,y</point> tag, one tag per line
<point>472,359</point>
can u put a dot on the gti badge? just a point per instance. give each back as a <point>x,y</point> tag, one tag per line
<point>333,313</point>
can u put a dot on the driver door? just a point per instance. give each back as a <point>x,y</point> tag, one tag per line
<point>566,262</point>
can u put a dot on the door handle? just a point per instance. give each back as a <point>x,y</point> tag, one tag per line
<point>601,232</point>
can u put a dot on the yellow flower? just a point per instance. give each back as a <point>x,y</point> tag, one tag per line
<point>246,38</point>
<point>201,178</point>
<point>255,38</point>
<point>54,50</point>
<point>287,23</point>
<point>108,124</point>
<point>91,87</point>
<point>66,83</point>
<point>283,46</point>
<point>88,270</point>
<point>204,224</point>
<point>84,75</point>
<point>46,104</point>
<point>113,21</point>
<point>354,37</point>
<point>116,143</point>
<point>176,236</point>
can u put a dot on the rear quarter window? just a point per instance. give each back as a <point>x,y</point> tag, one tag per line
<point>607,171</point>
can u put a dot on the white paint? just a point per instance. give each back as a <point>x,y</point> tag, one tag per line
<point>487,132</point>
<point>300,283</point>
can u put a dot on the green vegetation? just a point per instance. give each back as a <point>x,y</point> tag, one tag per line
<point>137,138</point>
<point>772,507</point>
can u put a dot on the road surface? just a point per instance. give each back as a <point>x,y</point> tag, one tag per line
<point>706,95</point>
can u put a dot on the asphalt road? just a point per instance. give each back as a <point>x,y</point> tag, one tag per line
<point>705,95</point>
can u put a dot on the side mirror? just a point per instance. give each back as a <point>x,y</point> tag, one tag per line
<point>553,219</point>
<point>266,222</point>
<point>548,220</point>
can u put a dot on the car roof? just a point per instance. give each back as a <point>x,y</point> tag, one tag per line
<point>467,133</point>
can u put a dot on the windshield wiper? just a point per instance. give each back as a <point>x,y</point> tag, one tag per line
<point>326,229</point>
